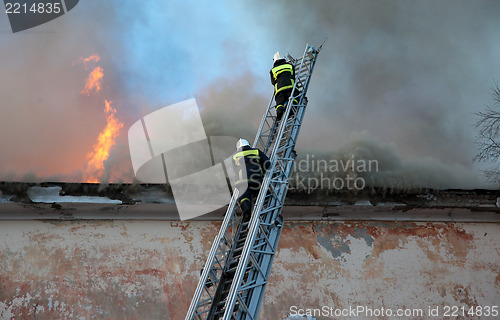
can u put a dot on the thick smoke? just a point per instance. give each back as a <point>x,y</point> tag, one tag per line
<point>232,107</point>
<point>48,127</point>
<point>408,74</point>
<point>365,162</point>
<point>151,53</point>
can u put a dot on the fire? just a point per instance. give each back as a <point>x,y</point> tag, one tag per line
<point>106,139</point>
<point>93,81</point>
<point>93,57</point>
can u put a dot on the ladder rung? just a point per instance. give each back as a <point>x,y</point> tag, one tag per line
<point>239,249</point>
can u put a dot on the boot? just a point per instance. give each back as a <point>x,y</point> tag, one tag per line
<point>279,112</point>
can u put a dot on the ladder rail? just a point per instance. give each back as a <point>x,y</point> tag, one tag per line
<point>248,248</point>
<point>246,253</point>
<point>282,183</point>
<point>211,257</point>
<point>255,229</point>
<point>256,302</point>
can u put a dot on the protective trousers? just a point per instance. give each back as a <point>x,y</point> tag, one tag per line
<point>247,195</point>
<point>281,99</point>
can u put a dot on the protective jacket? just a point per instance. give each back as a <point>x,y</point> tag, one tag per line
<point>282,75</point>
<point>250,165</point>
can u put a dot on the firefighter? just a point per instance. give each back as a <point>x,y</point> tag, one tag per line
<point>283,80</point>
<point>250,166</point>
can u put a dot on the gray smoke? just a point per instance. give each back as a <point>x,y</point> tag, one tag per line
<point>411,73</point>
<point>232,107</point>
<point>364,161</point>
<point>47,126</point>
<point>408,74</point>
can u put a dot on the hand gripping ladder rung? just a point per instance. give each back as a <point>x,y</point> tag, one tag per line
<point>233,280</point>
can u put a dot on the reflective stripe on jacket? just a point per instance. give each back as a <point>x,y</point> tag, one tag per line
<point>250,165</point>
<point>282,76</point>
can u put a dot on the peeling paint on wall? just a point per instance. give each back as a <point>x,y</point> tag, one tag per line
<point>390,265</point>
<point>149,270</point>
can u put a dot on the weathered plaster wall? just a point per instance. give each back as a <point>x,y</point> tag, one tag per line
<point>149,270</point>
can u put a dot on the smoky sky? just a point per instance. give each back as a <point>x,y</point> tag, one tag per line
<point>412,73</point>
<point>407,74</point>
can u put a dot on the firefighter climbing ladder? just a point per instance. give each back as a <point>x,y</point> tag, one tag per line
<point>235,276</point>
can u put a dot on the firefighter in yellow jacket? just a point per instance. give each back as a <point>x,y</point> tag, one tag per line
<point>250,166</point>
<point>283,80</point>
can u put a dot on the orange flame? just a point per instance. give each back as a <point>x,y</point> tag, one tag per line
<point>93,57</point>
<point>106,139</point>
<point>93,81</point>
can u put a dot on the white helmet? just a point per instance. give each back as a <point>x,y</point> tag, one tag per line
<point>242,143</point>
<point>277,56</point>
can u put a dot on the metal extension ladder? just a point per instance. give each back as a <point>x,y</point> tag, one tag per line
<point>237,270</point>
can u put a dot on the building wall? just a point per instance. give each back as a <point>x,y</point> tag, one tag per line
<point>149,269</point>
